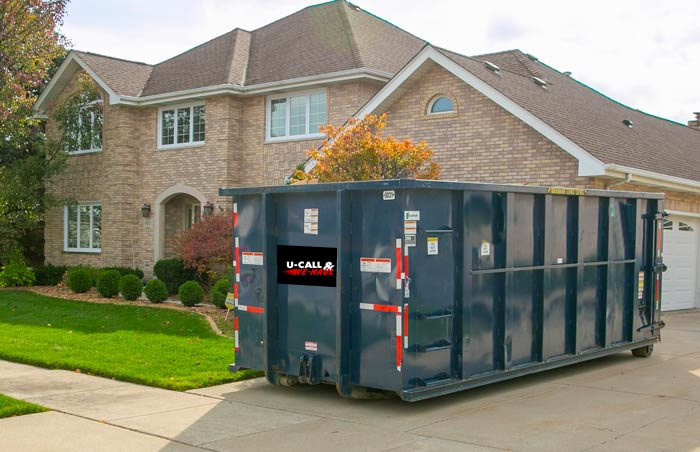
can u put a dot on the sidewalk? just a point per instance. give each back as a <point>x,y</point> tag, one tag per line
<point>614,403</point>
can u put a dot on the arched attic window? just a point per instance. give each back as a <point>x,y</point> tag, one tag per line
<point>441,104</point>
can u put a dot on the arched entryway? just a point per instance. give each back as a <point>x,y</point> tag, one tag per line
<point>176,209</point>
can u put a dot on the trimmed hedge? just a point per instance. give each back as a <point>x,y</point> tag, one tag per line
<point>16,274</point>
<point>79,279</point>
<point>190,293</point>
<point>130,286</point>
<point>108,283</point>
<point>218,293</point>
<point>155,291</point>
<point>49,275</point>
<point>173,274</point>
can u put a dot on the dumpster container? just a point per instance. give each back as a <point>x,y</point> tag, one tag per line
<point>424,288</point>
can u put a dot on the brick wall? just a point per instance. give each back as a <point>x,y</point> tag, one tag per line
<point>480,141</point>
<point>131,171</point>
<point>270,163</point>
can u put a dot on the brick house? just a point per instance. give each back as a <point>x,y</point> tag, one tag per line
<point>241,109</point>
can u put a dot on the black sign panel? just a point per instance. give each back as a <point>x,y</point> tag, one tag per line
<point>306,265</point>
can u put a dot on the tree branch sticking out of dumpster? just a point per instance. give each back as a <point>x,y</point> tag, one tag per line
<point>359,151</point>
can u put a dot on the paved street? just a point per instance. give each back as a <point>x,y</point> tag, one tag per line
<point>615,403</point>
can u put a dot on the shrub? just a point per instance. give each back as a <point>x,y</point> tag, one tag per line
<point>190,293</point>
<point>79,279</point>
<point>49,275</point>
<point>130,286</point>
<point>208,245</point>
<point>127,271</point>
<point>108,283</point>
<point>92,273</point>
<point>173,273</point>
<point>16,274</point>
<point>218,293</point>
<point>155,291</point>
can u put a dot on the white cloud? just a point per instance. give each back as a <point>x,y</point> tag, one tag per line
<point>645,54</point>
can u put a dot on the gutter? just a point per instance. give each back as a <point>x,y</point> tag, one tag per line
<point>651,178</point>
<point>626,180</point>
<point>230,88</point>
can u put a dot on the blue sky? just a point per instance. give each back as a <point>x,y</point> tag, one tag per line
<point>645,53</point>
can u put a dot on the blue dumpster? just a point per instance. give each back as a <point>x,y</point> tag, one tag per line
<point>424,288</point>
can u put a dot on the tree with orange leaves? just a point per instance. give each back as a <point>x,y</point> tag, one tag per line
<point>359,151</point>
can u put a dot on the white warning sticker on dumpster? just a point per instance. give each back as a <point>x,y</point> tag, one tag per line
<point>310,228</point>
<point>640,287</point>
<point>432,246</point>
<point>388,195</point>
<point>485,248</point>
<point>252,258</point>
<point>311,346</point>
<point>311,221</point>
<point>410,227</point>
<point>375,265</point>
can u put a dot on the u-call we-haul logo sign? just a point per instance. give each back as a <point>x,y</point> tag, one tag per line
<point>306,265</point>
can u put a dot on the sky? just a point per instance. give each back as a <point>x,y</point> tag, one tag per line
<point>644,53</point>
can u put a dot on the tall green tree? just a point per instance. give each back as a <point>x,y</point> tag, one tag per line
<point>30,47</point>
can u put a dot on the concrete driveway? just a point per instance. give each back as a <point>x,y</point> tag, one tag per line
<point>615,403</point>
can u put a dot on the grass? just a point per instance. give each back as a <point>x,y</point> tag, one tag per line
<point>156,347</point>
<point>12,407</point>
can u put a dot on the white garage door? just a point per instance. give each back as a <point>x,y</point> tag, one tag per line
<point>681,257</point>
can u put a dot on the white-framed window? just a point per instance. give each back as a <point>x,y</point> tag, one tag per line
<point>181,125</point>
<point>441,104</point>
<point>82,227</point>
<point>295,115</point>
<point>84,134</point>
<point>193,213</point>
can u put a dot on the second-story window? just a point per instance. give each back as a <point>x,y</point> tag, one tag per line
<point>183,125</point>
<point>295,115</point>
<point>83,126</point>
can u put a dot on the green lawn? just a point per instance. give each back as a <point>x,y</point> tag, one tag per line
<point>157,347</point>
<point>13,407</point>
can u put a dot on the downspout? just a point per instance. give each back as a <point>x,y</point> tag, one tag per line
<point>626,180</point>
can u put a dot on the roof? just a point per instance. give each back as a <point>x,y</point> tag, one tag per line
<point>124,77</point>
<point>590,119</point>
<point>322,39</point>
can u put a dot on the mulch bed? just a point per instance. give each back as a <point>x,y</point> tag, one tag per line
<point>210,312</point>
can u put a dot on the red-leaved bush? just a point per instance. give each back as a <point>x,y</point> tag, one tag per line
<point>208,245</point>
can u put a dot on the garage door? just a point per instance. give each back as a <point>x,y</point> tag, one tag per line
<point>681,257</point>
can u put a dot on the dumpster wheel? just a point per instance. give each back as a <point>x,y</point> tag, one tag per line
<point>643,352</point>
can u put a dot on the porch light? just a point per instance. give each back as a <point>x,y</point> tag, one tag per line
<point>146,210</point>
<point>208,208</point>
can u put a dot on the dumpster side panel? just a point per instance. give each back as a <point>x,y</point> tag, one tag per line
<point>433,264</point>
<point>483,305</point>
<point>249,276</point>
<point>376,225</point>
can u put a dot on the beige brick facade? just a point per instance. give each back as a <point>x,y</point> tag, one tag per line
<point>479,142</point>
<point>130,171</point>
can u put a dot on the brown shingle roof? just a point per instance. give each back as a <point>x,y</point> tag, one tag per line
<point>126,78</point>
<point>592,120</point>
<point>330,37</point>
<point>208,64</point>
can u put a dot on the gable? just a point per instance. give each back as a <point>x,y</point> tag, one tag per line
<point>479,141</point>
<point>590,138</point>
